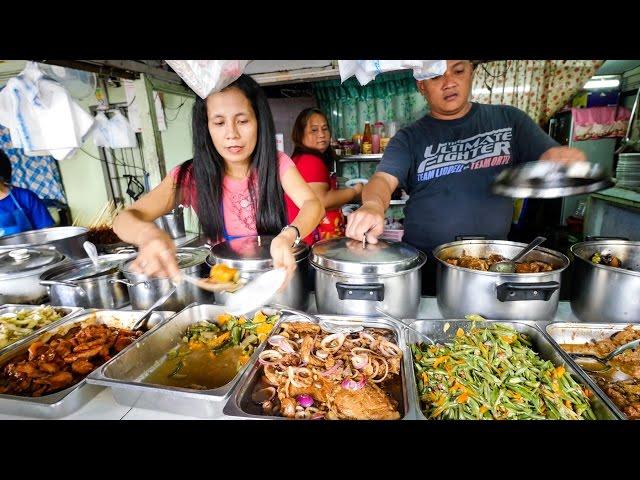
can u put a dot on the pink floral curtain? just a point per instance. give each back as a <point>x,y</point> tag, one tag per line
<point>539,87</point>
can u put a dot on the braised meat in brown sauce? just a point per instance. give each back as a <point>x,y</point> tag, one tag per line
<point>63,360</point>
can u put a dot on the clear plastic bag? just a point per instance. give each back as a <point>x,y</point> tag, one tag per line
<point>367,70</point>
<point>208,76</point>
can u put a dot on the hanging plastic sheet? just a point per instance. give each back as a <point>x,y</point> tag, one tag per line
<point>367,70</point>
<point>208,76</point>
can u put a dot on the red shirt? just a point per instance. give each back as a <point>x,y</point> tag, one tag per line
<point>313,170</point>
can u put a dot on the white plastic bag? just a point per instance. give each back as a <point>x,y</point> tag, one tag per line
<point>208,76</point>
<point>121,135</point>
<point>100,132</point>
<point>367,70</point>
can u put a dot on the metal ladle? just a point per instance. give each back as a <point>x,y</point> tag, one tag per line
<point>142,321</point>
<point>509,266</point>
<point>330,326</point>
<point>605,360</point>
<point>92,251</point>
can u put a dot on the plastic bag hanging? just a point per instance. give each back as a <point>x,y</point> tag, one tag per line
<point>100,131</point>
<point>208,76</point>
<point>367,70</point>
<point>121,135</point>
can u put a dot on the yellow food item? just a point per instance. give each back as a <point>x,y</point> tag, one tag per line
<point>222,273</point>
<point>224,318</point>
<point>264,328</point>
<point>259,317</point>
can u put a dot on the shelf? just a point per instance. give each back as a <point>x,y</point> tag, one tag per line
<point>374,157</point>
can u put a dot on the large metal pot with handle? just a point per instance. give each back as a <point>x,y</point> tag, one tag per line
<point>80,283</point>
<point>251,256</point>
<point>144,291</point>
<point>354,279</point>
<point>67,240</point>
<point>20,271</point>
<point>601,293</point>
<point>502,296</point>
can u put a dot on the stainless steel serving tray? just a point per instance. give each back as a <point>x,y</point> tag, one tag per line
<point>602,407</point>
<point>240,404</point>
<point>66,401</point>
<point>579,333</point>
<point>124,373</point>
<point>65,314</point>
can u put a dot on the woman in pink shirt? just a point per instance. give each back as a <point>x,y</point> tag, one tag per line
<point>236,183</point>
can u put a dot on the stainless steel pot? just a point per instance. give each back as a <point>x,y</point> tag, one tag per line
<point>251,256</point>
<point>172,223</point>
<point>606,294</point>
<point>20,271</point>
<point>79,283</point>
<point>514,296</point>
<point>67,240</point>
<point>353,280</point>
<point>144,291</point>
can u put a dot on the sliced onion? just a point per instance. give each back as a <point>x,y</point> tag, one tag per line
<point>292,373</point>
<point>329,339</point>
<point>350,384</point>
<point>269,357</point>
<point>322,355</point>
<point>367,336</point>
<point>389,349</point>
<point>360,361</point>
<point>282,343</point>
<point>332,370</point>
<point>305,400</point>
<point>263,395</point>
<point>386,372</point>
<point>317,416</point>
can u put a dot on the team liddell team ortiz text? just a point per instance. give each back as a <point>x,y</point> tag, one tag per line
<point>485,150</point>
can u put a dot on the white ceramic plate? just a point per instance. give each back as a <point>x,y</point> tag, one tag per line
<point>256,293</point>
<point>353,181</point>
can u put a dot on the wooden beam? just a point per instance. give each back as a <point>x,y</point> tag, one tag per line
<point>139,67</point>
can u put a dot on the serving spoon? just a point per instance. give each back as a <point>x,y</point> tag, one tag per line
<point>509,266</point>
<point>604,360</point>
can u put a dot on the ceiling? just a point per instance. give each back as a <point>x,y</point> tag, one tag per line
<point>617,67</point>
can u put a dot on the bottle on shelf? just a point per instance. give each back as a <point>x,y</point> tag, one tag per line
<point>367,140</point>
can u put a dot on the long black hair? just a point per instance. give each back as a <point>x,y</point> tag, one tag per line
<point>207,168</point>
<point>297,134</point>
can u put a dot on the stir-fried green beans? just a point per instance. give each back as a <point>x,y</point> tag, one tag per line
<point>492,373</point>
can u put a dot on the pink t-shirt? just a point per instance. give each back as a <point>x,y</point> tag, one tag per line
<point>239,214</point>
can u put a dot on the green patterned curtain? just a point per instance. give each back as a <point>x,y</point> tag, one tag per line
<point>390,97</point>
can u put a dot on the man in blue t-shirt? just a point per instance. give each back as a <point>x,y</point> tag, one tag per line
<point>20,209</point>
<point>446,162</point>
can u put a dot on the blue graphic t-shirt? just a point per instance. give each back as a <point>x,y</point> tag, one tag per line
<point>34,209</point>
<point>447,167</point>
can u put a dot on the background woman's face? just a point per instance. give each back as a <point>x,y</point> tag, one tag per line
<point>316,133</point>
<point>232,124</point>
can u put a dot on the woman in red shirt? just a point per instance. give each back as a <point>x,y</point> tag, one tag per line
<point>313,157</point>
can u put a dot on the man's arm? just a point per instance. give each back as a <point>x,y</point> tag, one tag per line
<point>369,219</point>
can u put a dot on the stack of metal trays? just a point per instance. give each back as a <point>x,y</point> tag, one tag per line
<point>65,402</point>
<point>126,374</point>
<point>575,333</point>
<point>541,343</point>
<point>628,171</point>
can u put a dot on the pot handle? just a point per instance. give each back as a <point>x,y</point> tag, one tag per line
<point>471,237</point>
<point>129,284</point>
<point>591,238</point>
<point>365,291</point>
<point>513,291</point>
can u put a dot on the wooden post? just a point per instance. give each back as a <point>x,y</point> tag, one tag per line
<point>152,150</point>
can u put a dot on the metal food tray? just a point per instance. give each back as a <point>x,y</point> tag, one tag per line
<point>240,401</point>
<point>540,343</point>
<point>67,401</point>
<point>65,312</point>
<point>580,333</point>
<point>124,374</point>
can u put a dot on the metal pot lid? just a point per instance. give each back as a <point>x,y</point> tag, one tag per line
<point>84,269</point>
<point>250,253</point>
<point>186,256</point>
<point>23,260</point>
<point>345,255</point>
<point>544,179</point>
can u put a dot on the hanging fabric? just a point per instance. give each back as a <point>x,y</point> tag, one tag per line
<point>39,174</point>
